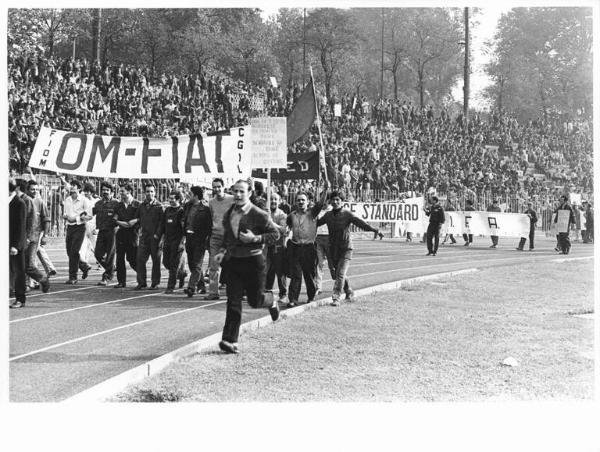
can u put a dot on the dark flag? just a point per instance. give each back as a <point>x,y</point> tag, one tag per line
<point>302,115</point>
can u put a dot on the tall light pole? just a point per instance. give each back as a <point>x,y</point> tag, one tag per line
<point>381,81</point>
<point>466,75</point>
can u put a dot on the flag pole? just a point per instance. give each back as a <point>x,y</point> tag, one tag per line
<point>322,153</point>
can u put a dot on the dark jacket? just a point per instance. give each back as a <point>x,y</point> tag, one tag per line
<point>126,214</point>
<point>532,217</point>
<point>198,219</point>
<point>17,217</point>
<point>172,224</point>
<point>435,214</point>
<point>338,223</point>
<point>150,216</point>
<point>257,221</point>
<point>105,212</point>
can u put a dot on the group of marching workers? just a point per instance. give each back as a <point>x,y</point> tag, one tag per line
<point>250,244</point>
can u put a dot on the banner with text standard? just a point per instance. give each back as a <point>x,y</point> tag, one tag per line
<point>407,215</point>
<point>302,165</point>
<point>224,154</point>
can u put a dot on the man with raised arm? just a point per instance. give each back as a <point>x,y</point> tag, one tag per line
<point>338,222</point>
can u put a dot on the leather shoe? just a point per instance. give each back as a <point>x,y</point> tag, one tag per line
<point>71,282</point>
<point>16,304</point>
<point>140,287</point>
<point>169,291</point>
<point>52,273</point>
<point>228,347</point>
<point>153,287</point>
<point>212,297</point>
<point>189,292</point>
<point>274,311</point>
<point>84,273</point>
<point>45,285</point>
<point>120,286</point>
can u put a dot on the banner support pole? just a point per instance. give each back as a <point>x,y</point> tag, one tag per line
<point>322,153</point>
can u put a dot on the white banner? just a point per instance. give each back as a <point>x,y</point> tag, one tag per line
<point>337,110</point>
<point>269,142</point>
<point>486,223</point>
<point>187,156</point>
<point>408,215</point>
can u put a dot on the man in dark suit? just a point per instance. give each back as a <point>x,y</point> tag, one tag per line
<point>17,214</point>
<point>247,230</point>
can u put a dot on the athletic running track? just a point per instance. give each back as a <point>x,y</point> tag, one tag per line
<point>75,337</point>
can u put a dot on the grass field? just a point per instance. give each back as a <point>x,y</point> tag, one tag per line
<point>443,340</point>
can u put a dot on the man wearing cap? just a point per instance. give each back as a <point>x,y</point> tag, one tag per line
<point>494,208</point>
<point>532,221</point>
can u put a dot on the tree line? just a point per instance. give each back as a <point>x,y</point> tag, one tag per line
<point>540,57</point>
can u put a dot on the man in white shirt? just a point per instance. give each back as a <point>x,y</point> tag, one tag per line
<point>77,211</point>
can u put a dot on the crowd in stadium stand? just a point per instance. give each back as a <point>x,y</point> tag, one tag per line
<point>391,146</point>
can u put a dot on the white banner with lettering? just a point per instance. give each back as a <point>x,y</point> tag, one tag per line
<point>409,216</point>
<point>486,223</point>
<point>227,155</point>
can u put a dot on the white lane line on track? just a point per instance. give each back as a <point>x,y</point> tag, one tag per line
<point>64,291</point>
<point>358,275</point>
<point>568,259</point>
<point>83,307</point>
<point>100,333</point>
<point>211,304</point>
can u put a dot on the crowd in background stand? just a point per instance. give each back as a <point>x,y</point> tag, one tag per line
<point>386,150</point>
